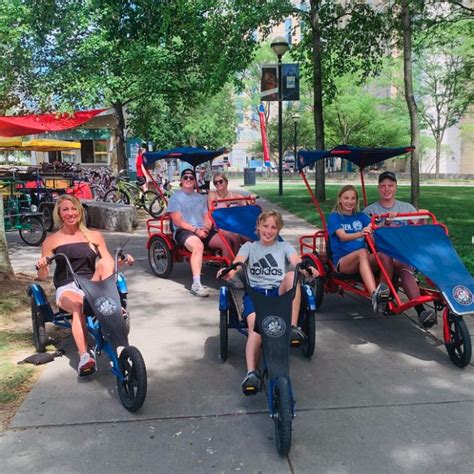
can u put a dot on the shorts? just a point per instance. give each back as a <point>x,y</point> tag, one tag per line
<point>181,236</point>
<point>68,287</point>
<point>248,304</point>
<point>141,180</point>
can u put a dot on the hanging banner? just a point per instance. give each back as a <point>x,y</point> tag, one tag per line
<point>269,82</point>
<point>290,74</point>
<point>266,150</point>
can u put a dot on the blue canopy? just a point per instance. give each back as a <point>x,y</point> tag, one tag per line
<point>360,156</point>
<point>429,250</point>
<point>195,156</point>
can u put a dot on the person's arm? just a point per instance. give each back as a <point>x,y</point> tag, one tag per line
<point>231,274</point>
<point>42,264</point>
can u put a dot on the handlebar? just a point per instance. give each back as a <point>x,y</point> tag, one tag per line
<point>247,199</point>
<point>405,216</point>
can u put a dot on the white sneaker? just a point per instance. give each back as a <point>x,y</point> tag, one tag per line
<point>198,290</point>
<point>380,297</point>
<point>86,365</point>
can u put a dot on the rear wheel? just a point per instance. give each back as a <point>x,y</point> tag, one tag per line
<point>157,206</point>
<point>224,334</point>
<point>282,415</point>
<point>32,231</point>
<point>309,329</point>
<point>116,196</point>
<point>160,257</point>
<point>39,331</point>
<point>317,284</point>
<point>132,391</point>
<point>460,348</point>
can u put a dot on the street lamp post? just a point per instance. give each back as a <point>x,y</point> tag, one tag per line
<point>280,46</point>
<point>296,117</point>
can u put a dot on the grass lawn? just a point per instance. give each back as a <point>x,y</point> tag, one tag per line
<point>452,205</point>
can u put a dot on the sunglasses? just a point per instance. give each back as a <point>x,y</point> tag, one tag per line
<point>219,181</point>
<point>187,177</point>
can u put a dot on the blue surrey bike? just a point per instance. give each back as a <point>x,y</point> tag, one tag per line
<point>273,323</point>
<point>107,322</point>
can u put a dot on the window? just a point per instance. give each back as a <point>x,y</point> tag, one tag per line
<point>100,152</point>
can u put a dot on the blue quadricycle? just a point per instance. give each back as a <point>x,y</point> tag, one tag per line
<point>107,322</point>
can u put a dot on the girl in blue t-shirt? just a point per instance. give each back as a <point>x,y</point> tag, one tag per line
<point>347,229</point>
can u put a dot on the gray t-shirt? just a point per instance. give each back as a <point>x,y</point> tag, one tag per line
<point>192,206</point>
<point>267,265</point>
<point>399,207</point>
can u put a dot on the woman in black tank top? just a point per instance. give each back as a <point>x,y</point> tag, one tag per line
<point>89,257</point>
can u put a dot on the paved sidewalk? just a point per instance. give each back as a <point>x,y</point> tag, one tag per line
<point>379,396</point>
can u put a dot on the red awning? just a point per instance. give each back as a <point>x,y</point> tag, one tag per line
<point>16,126</point>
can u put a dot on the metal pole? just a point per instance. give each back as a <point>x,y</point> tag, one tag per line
<point>280,131</point>
<point>296,142</point>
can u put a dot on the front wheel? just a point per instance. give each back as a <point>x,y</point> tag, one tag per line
<point>32,230</point>
<point>282,418</point>
<point>39,331</point>
<point>132,391</point>
<point>160,257</point>
<point>460,348</point>
<point>116,196</point>
<point>224,334</point>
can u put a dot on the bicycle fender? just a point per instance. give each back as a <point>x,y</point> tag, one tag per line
<point>39,297</point>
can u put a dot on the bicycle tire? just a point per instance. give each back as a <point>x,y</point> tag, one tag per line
<point>460,347</point>
<point>116,196</point>
<point>132,391</point>
<point>157,206</point>
<point>282,404</point>
<point>36,234</point>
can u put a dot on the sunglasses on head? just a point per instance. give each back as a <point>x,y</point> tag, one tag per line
<point>188,177</point>
<point>218,181</point>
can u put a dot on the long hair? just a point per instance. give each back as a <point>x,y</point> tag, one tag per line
<point>266,215</point>
<point>338,206</point>
<point>58,223</point>
<point>220,175</point>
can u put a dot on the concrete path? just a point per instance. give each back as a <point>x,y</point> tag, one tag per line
<point>379,396</point>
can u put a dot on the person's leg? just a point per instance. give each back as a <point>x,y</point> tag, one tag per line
<point>216,242</point>
<point>103,269</point>
<point>388,264</point>
<point>286,285</point>
<point>196,247</point>
<point>359,262</point>
<point>254,342</point>
<point>72,302</point>
<point>233,240</point>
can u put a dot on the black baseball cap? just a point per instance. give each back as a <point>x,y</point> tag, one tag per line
<point>387,175</point>
<point>188,171</point>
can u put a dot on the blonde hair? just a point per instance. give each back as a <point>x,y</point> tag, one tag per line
<point>338,206</point>
<point>58,223</point>
<point>265,215</point>
<point>220,175</point>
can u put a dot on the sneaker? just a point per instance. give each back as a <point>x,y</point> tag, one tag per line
<point>427,318</point>
<point>86,365</point>
<point>380,296</point>
<point>297,336</point>
<point>198,290</point>
<point>251,383</point>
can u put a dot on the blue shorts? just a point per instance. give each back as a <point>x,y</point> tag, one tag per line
<point>248,305</point>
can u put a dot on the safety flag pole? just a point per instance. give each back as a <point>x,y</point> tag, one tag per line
<point>266,150</point>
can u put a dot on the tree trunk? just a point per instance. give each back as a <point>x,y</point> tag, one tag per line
<point>320,186</point>
<point>438,156</point>
<point>411,103</point>
<point>121,158</point>
<point>6,269</point>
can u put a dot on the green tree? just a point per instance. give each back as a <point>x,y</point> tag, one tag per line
<point>445,80</point>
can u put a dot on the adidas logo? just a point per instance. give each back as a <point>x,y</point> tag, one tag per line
<point>266,266</point>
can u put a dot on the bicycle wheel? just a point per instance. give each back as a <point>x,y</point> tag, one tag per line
<point>309,329</point>
<point>460,348</point>
<point>116,196</point>
<point>39,331</point>
<point>160,257</point>
<point>97,192</point>
<point>48,218</point>
<point>132,391</point>
<point>157,206</point>
<point>224,334</point>
<point>32,230</point>
<point>282,404</point>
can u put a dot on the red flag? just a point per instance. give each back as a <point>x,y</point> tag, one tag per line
<point>266,150</point>
<point>15,126</point>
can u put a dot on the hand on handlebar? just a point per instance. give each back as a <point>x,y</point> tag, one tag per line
<point>127,259</point>
<point>43,262</point>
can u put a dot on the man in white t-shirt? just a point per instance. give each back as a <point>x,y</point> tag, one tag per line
<point>388,204</point>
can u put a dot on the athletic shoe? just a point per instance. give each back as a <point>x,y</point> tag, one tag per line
<point>297,336</point>
<point>427,317</point>
<point>251,383</point>
<point>380,296</point>
<point>198,290</point>
<point>86,365</point>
